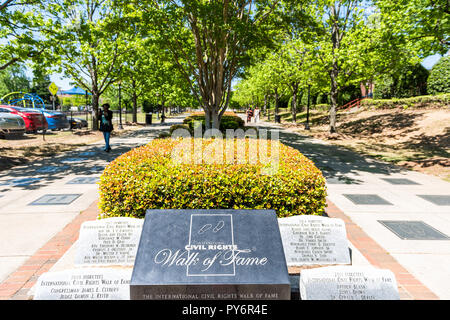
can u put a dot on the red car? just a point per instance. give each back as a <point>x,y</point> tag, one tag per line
<point>34,120</point>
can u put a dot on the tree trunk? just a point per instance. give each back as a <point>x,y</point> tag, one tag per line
<point>134,101</point>
<point>333,97</point>
<point>207,118</point>
<point>163,110</point>
<point>294,102</point>
<point>334,72</point>
<point>95,106</point>
<point>276,101</point>
<point>265,105</point>
<point>215,120</point>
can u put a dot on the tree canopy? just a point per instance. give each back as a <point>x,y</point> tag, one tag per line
<point>190,52</point>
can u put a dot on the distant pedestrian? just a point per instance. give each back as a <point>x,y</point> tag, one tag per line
<point>106,125</point>
<point>249,114</point>
<point>256,114</point>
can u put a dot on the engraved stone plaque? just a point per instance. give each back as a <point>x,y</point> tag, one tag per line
<point>55,199</point>
<point>84,284</point>
<point>84,180</point>
<point>348,283</point>
<point>314,240</point>
<point>210,254</point>
<point>366,199</point>
<point>413,230</point>
<point>112,241</point>
<point>439,200</point>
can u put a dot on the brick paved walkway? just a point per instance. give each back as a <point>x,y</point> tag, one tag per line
<point>409,287</point>
<point>18,283</point>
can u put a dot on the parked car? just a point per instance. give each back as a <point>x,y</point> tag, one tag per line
<point>77,123</point>
<point>56,120</point>
<point>34,119</point>
<point>11,124</point>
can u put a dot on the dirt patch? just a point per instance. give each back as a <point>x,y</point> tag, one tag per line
<point>417,139</point>
<point>34,147</point>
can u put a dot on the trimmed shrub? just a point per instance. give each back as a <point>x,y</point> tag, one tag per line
<point>164,135</point>
<point>439,78</point>
<point>179,126</point>
<point>409,81</point>
<point>201,113</point>
<point>229,121</point>
<point>147,178</point>
<point>438,101</point>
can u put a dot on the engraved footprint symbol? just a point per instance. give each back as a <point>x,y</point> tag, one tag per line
<point>205,228</point>
<point>208,226</point>
<point>219,226</point>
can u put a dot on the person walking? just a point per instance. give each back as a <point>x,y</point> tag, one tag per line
<point>256,114</point>
<point>106,125</point>
<point>249,114</point>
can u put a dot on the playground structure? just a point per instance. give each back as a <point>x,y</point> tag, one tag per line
<point>21,99</point>
<point>55,120</point>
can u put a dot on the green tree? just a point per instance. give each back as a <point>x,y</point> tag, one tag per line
<point>20,23</point>
<point>40,84</point>
<point>423,24</point>
<point>13,79</point>
<point>210,41</point>
<point>88,43</point>
<point>439,78</point>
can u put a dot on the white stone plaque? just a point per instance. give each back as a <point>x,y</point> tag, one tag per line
<point>348,283</point>
<point>314,240</point>
<point>84,284</point>
<point>111,241</point>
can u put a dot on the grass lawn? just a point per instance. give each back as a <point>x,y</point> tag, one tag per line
<point>418,139</point>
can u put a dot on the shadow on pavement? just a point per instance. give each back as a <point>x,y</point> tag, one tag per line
<point>335,162</point>
<point>83,162</point>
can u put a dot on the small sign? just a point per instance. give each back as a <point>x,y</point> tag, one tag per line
<point>348,283</point>
<point>84,284</point>
<point>53,88</point>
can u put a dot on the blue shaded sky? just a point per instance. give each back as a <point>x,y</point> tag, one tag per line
<point>430,61</point>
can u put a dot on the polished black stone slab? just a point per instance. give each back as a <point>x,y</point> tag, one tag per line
<point>439,200</point>
<point>52,169</point>
<point>295,286</point>
<point>84,180</point>
<point>70,160</point>
<point>413,230</point>
<point>400,181</point>
<point>341,180</point>
<point>366,199</point>
<point>88,153</point>
<point>55,199</point>
<point>20,181</point>
<point>210,254</point>
<point>97,168</point>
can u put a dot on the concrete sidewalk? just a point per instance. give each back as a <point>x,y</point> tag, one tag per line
<point>42,237</point>
<point>406,213</point>
<point>38,200</point>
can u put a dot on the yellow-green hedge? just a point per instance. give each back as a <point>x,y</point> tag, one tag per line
<point>146,178</point>
<point>436,101</point>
